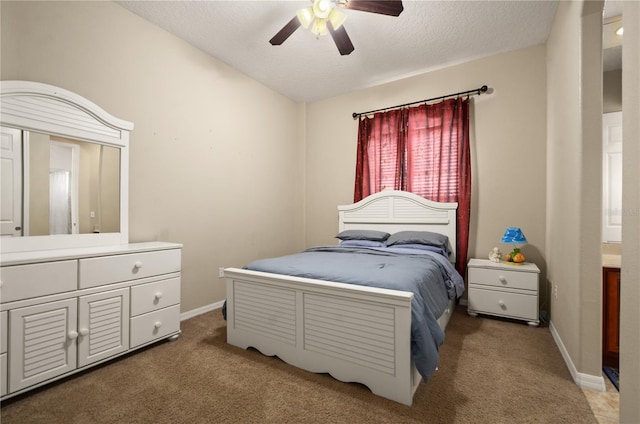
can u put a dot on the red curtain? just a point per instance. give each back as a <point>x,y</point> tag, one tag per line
<point>424,150</point>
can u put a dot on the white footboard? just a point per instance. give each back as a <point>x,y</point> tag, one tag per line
<point>355,333</point>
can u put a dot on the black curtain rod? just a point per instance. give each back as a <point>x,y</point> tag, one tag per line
<point>477,91</point>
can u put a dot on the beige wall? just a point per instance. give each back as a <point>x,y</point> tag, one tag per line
<point>574,193</point>
<point>88,184</point>
<point>612,91</point>
<point>39,164</point>
<point>216,158</point>
<point>109,203</point>
<point>630,280</point>
<point>508,148</point>
<point>574,180</point>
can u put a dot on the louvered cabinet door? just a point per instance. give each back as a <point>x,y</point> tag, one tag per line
<point>103,325</point>
<point>42,342</point>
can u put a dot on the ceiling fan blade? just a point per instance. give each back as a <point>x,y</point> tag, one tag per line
<point>285,32</point>
<point>342,40</point>
<point>383,7</point>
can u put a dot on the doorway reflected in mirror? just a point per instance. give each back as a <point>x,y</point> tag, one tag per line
<point>58,185</point>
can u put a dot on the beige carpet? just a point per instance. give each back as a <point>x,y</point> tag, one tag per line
<point>491,371</point>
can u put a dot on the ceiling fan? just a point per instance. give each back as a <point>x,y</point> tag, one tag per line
<point>325,17</point>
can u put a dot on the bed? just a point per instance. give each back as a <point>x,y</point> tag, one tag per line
<point>355,333</point>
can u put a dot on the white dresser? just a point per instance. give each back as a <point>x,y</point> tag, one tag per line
<point>65,310</point>
<point>503,290</point>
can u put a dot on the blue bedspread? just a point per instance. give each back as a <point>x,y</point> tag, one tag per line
<point>429,276</point>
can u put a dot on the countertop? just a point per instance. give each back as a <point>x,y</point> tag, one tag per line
<point>611,261</point>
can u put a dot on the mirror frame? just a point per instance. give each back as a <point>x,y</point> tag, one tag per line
<point>47,109</point>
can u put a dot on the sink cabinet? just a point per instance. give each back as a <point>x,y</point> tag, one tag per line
<point>611,316</point>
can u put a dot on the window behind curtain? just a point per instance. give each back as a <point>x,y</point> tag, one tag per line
<point>423,150</point>
<point>433,152</point>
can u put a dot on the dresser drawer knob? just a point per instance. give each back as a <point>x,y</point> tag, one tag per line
<point>158,295</point>
<point>137,265</point>
<point>502,305</point>
<point>158,324</point>
<point>502,279</point>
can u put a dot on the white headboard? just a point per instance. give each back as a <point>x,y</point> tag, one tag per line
<point>394,210</point>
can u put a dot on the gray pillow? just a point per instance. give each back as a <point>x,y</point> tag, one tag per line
<point>443,250</point>
<point>363,235</point>
<point>366,243</point>
<point>418,237</point>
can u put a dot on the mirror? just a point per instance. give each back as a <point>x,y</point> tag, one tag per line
<point>70,187</point>
<point>64,173</point>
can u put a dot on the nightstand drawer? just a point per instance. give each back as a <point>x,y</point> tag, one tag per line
<point>504,278</point>
<point>503,303</point>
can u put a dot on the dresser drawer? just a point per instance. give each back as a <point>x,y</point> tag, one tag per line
<point>4,328</point>
<point>117,268</point>
<point>503,303</point>
<point>26,281</point>
<point>153,296</point>
<point>154,325</point>
<point>504,278</point>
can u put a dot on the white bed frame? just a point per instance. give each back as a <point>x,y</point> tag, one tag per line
<point>355,333</point>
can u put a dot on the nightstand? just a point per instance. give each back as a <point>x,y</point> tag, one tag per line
<point>504,290</point>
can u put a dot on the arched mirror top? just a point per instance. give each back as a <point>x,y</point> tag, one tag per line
<point>52,110</point>
<point>33,111</point>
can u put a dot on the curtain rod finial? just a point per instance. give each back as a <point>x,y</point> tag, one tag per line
<point>355,115</point>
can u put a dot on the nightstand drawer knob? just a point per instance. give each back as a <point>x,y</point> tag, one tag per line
<point>502,305</point>
<point>502,279</point>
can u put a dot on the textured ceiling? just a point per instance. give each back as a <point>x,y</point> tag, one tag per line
<point>427,35</point>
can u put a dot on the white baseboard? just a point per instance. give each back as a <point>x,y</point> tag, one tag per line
<point>587,381</point>
<point>202,310</point>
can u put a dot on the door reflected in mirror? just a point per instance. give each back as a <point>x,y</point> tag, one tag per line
<point>70,186</point>
<point>63,187</point>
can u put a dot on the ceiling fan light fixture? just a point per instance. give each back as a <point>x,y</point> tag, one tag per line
<point>323,13</point>
<point>322,8</point>
<point>319,27</point>
<point>306,16</point>
<point>337,18</point>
